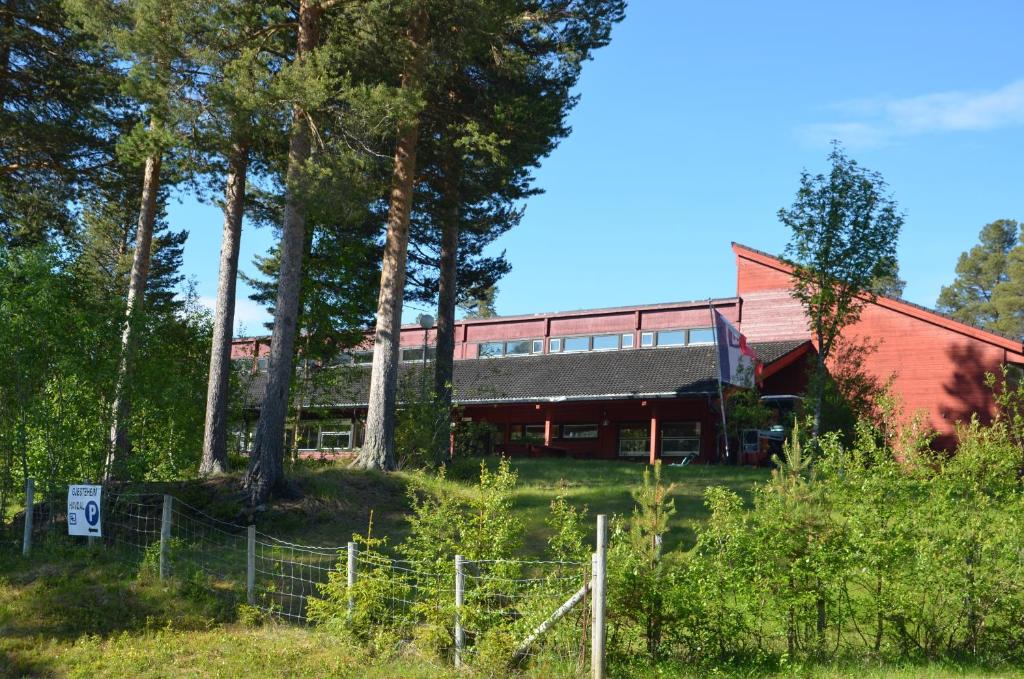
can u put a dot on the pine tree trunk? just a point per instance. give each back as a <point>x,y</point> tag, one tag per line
<point>215,436</point>
<point>378,450</point>
<point>121,410</point>
<point>444,368</point>
<point>265,475</point>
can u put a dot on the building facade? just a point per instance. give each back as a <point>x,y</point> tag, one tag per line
<point>639,382</point>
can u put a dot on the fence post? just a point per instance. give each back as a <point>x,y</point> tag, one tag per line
<point>30,496</point>
<point>597,594</point>
<point>250,566</point>
<point>460,585</point>
<point>351,576</point>
<point>165,538</point>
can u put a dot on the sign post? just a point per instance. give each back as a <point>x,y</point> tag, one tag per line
<point>84,504</point>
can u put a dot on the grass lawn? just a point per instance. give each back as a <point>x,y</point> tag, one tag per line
<point>337,501</point>
<point>73,611</point>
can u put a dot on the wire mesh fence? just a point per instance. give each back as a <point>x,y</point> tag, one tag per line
<point>469,611</point>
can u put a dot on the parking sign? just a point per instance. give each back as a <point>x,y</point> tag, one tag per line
<point>84,504</point>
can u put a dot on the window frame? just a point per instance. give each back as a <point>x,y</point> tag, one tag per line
<point>647,339</point>
<point>614,336</point>
<point>579,425</point>
<point>690,340</point>
<point>623,338</point>
<point>620,439</point>
<point>566,350</point>
<point>695,438</point>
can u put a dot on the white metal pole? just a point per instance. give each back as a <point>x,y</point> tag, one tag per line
<point>460,583</point>
<point>250,566</point>
<point>30,493</point>
<point>165,538</point>
<point>597,599</point>
<point>351,576</point>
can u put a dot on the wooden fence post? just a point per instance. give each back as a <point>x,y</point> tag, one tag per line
<point>460,584</point>
<point>250,566</point>
<point>597,600</point>
<point>165,538</point>
<point>351,576</point>
<point>30,496</point>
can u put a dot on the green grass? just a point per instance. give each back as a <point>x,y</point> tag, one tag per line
<point>74,611</point>
<point>337,501</point>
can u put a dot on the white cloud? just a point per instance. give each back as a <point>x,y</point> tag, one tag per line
<point>249,316</point>
<point>874,122</point>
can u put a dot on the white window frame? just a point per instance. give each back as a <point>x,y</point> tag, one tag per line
<point>593,342</point>
<point>586,426</point>
<point>590,344</point>
<point>626,341</point>
<point>554,345</point>
<point>700,343</point>
<point>634,453</point>
<point>647,339</point>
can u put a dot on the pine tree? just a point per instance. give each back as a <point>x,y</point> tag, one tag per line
<point>241,126</point>
<point>59,102</point>
<point>154,41</point>
<point>448,70</point>
<point>979,272</point>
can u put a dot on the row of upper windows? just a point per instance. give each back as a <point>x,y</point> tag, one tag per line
<point>411,354</point>
<point>524,347</point>
<point>658,338</point>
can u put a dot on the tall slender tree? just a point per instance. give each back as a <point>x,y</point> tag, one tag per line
<point>980,272</point>
<point>266,467</point>
<point>242,122</point>
<point>154,40</point>
<point>550,39</point>
<point>844,231</point>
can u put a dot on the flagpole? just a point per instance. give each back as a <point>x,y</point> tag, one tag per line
<point>721,396</point>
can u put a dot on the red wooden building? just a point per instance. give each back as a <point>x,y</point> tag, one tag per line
<point>639,382</point>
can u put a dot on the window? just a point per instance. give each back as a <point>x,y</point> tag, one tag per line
<point>702,336</point>
<point>555,344</point>
<point>416,354</point>
<point>307,438</point>
<point>538,346</point>
<point>527,433</point>
<point>518,347</point>
<point>627,341</point>
<point>606,342</point>
<point>579,431</point>
<point>680,438</point>
<point>634,440</point>
<point>363,357</point>
<point>671,338</point>
<point>647,339</point>
<point>338,438</point>
<point>490,349</point>
<point>576,344</point>
<point>242,364</point>
<point>263,364</point>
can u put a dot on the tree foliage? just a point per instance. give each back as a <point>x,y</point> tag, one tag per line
<point>844,228</point>
<point>988,290</point>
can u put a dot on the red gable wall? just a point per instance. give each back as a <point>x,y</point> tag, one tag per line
<point>939,364</point>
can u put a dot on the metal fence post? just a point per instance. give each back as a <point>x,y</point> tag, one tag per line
<point>165,538</point>
<point>30,495</point>
<point>351,576</point>
<point>250,566</point>
<point>460,584</point>
<point>597,594</point>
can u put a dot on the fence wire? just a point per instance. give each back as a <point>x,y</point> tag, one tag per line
<point>504,601</point>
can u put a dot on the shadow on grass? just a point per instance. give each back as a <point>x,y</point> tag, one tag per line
<point>64,592</point>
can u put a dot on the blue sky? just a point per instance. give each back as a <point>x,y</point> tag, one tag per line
<point>695,123</point>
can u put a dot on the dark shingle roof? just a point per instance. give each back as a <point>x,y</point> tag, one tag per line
<point>612,375</point>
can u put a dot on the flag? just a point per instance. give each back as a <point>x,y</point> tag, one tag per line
<point>737,362</point>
